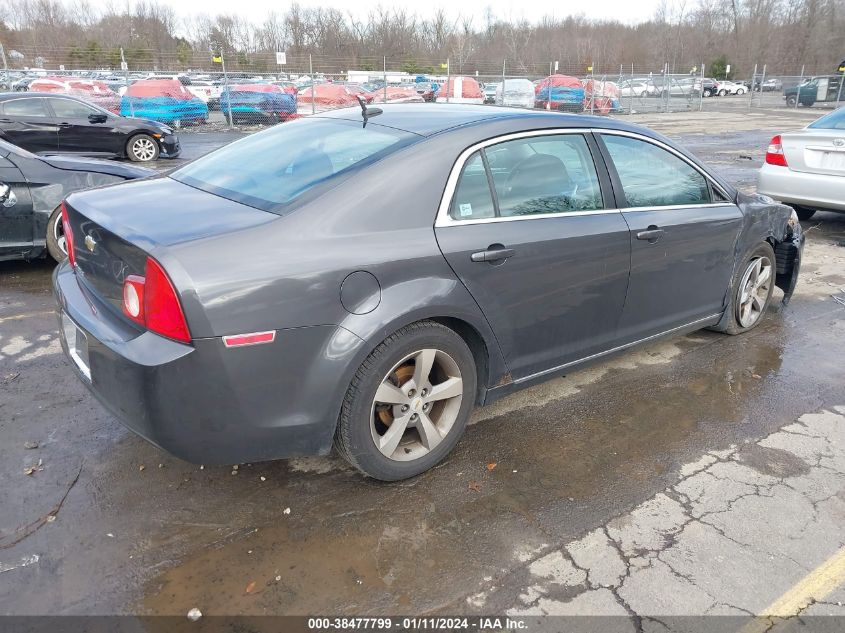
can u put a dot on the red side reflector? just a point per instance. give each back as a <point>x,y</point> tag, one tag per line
<point>255,338</point>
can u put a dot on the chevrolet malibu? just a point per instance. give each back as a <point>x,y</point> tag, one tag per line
<point>364,278</point>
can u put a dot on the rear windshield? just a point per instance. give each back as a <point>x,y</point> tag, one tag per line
<point>833,121</point>
<point>271,169</point>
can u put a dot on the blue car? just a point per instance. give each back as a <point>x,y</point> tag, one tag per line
<point>163,100</point>
<point>257,103</point>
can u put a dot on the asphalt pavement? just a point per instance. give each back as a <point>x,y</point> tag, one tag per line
<point>699,475</point>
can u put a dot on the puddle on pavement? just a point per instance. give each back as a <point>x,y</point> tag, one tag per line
<point>352,546</point>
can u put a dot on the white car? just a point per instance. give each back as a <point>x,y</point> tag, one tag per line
<point>635,89</point>
<point>806,169</point>
<point>205,90</point>
<point>726,87</point>
<point>515,93</point>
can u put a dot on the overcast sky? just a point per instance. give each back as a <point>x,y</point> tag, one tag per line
<point>628,11</point>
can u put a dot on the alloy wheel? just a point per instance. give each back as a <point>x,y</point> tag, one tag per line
<point>416,405</point>
<point>754,291</point>
<point>144,149</point>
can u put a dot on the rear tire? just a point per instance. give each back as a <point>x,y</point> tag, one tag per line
<point>142,148</point>
<point>56,245</point>
<point>751,291</point>
<point>384,394</point>
<point>804,213</point>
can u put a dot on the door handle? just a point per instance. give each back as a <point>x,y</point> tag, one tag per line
<point>65,124</point>
<point>494,253</point>
<point>652,234</point>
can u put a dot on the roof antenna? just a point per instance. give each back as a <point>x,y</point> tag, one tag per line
<point>367,112</point>
<point>363,109</point>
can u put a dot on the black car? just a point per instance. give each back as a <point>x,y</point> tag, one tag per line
<point>280,294</point>
<point>45,123</point>
<point>31,189</point>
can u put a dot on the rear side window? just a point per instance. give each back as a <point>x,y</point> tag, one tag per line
<point>654,177</point>
<point>833,121</point>
<point>271,169</point>
<point>472,199</point>
<point>25,108</point>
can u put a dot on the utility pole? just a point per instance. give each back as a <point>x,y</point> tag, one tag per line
<point>125,68</point>
<point>217,58</point>
<point>311,72</point>
<point>5,67</point>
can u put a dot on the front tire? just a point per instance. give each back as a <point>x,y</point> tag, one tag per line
<point>409,403</point>
<point>791,101</point>
<point>751,291</point>
<point>56,244</point>
<point>142,148</point>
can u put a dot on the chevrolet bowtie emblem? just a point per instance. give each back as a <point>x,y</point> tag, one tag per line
<point>90,243</point>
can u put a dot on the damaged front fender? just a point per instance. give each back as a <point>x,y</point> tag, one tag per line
<point>766,220</point>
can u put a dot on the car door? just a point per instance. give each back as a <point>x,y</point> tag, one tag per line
<point>684,230</point>
<point>16,220</point>
<point>525,227</point>
<point>26,122</point>
<point>80,134</point>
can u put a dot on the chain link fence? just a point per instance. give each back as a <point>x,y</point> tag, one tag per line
<point>267,89</point>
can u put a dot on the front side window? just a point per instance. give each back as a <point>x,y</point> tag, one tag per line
<point>269,170</point>
<point>654,177</point>
<point>69,109</point>
<point>25,108</point>
<point>544,174</point>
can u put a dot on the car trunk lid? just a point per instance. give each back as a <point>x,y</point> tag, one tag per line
<point>815,151</point>
<point>111,240</point>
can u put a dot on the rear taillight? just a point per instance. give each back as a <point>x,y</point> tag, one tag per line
<point>68,236</point>
<point>774,153</point>
<point>151,301</point>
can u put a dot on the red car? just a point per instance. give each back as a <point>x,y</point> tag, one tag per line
<point>95,92</point>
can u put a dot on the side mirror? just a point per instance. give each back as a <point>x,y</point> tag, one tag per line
<point>7,196</point>
<point>97,118</point>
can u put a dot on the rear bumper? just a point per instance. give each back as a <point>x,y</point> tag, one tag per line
<point>206,403</point>
<point>817,191</point>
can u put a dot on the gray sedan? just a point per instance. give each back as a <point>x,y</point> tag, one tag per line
<point>364,278</point>
<point>806,169</point>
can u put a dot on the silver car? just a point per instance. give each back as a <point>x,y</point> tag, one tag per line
<point>806,169</point>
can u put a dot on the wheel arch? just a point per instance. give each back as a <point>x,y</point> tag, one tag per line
<point>131,137</point>
<point>480,352</point>
<point>490,364</point>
